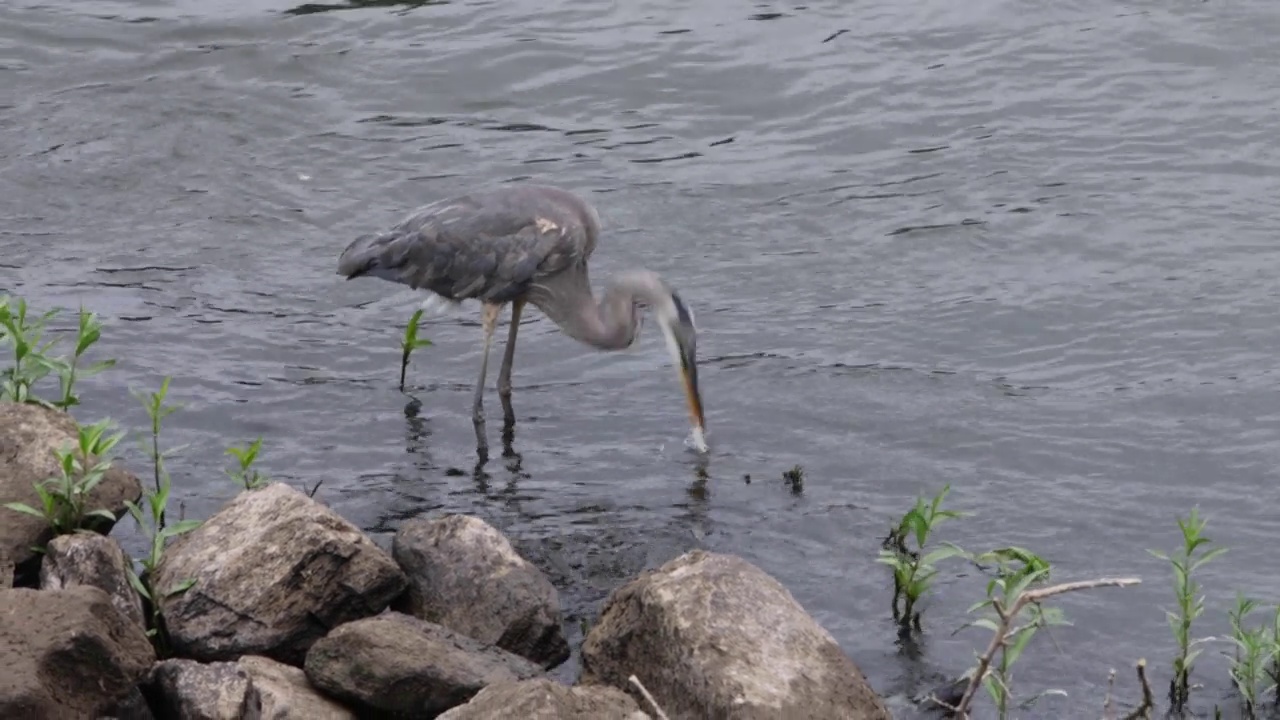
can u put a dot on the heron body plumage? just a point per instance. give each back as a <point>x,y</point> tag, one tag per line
<point>518,244</point>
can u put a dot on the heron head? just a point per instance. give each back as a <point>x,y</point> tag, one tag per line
<point>681,335</point>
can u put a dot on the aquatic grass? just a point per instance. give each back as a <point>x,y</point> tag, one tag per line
<point>151,521</point>
<point>246,474</point>
<point>64,497</point>
<point>33,361</point>
<point>1254,649</point>
<point>410,342</point>
<point>914,570</point>
<point>1190,603</point>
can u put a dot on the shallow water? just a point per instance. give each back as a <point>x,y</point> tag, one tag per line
<point>1026,248</point>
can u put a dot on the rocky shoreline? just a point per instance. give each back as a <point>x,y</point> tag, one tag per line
<point>276,607</point>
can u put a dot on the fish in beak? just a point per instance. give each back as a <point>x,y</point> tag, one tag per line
<point>682,340</point>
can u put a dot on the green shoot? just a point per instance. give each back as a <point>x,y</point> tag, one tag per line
<point>913,570</point>
<point>68,371</point>
<point>151,522</point>
<point>1190,604</point>
<point>157,411</point>
<point>1253,648</point>
<point>409,343</point>
<point>64,498</point>
<point>1004,591</point>
<point>246,475</point>
<point>23,336</point>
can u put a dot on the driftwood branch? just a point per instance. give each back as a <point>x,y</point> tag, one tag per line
<point>1148,701</point>
<point>1007,617</point>
<point>645,692</point>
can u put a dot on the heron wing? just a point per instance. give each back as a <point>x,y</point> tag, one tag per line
<point>488,246</point>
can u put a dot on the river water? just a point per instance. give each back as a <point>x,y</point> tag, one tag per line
<point>1026,248</point>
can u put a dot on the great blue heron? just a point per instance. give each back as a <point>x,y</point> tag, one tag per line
<point>526,243</point>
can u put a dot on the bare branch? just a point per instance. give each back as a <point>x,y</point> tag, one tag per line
<point>1148,701</point>
<point>1107,714</point>
<point>643,691</point>
<point>1006,620</point>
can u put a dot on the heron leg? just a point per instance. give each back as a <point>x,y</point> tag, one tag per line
<point>509,353</point>
<point>489,319</point>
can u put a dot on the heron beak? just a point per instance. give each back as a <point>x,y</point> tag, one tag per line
<point>689,376</point>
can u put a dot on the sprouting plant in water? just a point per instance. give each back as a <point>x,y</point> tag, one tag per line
<point>157,411</point>
<point>150,518</point>
<point>22,334</point>
<point>32,360</point>
<point>1017,570</point>
<point>794,478</point>
<point>1190,603</point>
<point>246,474</point>
<point>913,570</point>
<point>64,498</point>
<point>1254,649</point>
<point>410,342</point>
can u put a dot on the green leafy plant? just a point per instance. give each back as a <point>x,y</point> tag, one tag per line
<point>151,521</point>
<point>64,498</point>
<point>88,331</point>
<point>1018,570</point>
<point>23,335</point>
<point>1190,603</point>
<point>914,569</point>
<point>410,342</point>
<point>245,474</point>
<point>1254,649</point>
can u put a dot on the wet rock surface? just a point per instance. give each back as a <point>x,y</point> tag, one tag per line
<point>67,653</point>
<point>464,574</point>
<point>711,635</point>
<point>545,699</point>
<point>274,570</point>
<point>396,663</point>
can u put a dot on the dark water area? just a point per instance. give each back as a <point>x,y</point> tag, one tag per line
<point>1026,248</point>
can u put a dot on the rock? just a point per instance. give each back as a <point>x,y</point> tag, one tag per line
<point>188,690</point>
<point>133,707</point>
<point>274,571</point>
<point>398,663</point>
<point>96,560</point>
<point>28,436</point>
<point>713,636</point>
<point>465,575</point>
<point>281,692</point>
<point>67,653</point>
<point>545,699</point>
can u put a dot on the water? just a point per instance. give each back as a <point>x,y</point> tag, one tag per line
<point>1026,248</point>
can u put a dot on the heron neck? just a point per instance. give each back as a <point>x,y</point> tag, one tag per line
<point>609,323</point>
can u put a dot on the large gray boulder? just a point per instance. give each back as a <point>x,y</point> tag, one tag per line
<point>188,690</point>
<point>282,692</point>
<point>67,653</point>
<point>396,663</point>
<point>96,560</point>
<point>713,636</point>
<point>274,571</point>
<point>545,699</point>
<point>465,575</point>
<point>29,434</point>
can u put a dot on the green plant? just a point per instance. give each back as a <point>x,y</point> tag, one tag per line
<point>151,522</point>
<point>246,474</point>
<point>410,342</point>
<point>1254,647</point>
<point>64,497</point>
<point>23,335</point>
<point>1190,603</point>
<point>913,570</point>
<point>1018,626</point>
<point>32,360</point>
<point>1273,667</point>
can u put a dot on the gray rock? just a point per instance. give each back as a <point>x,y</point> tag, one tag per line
<point>28,436</point>
<point>133,707</point>
<point>545,699</point>
<point>274,571</point>
<point>189,690</point>
<point>465,575</point>
<point>713,636</point>
<point>96,560</point>
<point>281,692</point>
<point>396,663</point>
<point>67,653</point>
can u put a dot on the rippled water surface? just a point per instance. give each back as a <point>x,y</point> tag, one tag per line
<point>1024,247</point>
